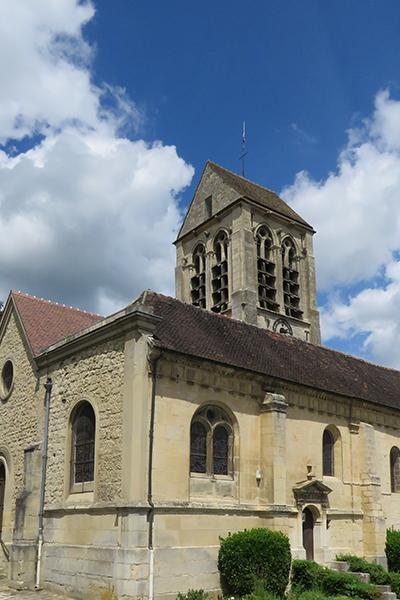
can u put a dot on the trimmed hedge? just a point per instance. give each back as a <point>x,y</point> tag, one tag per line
<point>307,575</point>
<point>392,549</point>
<point>255,558</point>
<point>377,573</point>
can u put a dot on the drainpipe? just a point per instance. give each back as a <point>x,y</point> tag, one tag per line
<point>48,386</point>
<point>154,357</point>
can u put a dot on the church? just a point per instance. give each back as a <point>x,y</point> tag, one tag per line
<point>129,444</point>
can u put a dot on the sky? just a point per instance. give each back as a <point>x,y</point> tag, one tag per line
<point>109,110</point>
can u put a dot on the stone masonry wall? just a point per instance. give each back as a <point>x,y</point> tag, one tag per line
<point>94,375</point>
<point>20,418</point>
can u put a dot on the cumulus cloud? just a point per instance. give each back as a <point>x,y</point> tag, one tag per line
<point>356,211</point>
<point>87,216</point>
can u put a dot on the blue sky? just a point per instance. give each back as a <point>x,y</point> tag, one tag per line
<point>109,110</point>
<point>300,73</point>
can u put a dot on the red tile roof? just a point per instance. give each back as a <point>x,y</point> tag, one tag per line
<point>190,330</point>
<point>46,322</point>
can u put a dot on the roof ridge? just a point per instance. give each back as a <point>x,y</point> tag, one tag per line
<point>275,334</point>
<point>263,187</point>
<point>54,303</point>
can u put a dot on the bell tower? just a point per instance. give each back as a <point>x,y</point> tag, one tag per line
<point>245,253</point>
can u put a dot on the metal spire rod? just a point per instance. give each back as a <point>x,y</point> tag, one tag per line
<point>244,151</point>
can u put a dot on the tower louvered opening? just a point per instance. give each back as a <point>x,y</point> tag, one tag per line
<point>220,289</point>
<point>198,281</point>
<point>291,285</point>
<point>266,270</point>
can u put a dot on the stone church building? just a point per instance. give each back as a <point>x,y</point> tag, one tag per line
<point>129,444</point>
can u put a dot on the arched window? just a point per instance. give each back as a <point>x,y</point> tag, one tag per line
<point>328,453</point>
<point>395,470</point>
<point>83,447</point>
<point>220,290</point>
<point>290,275</point>
<point>211,442</point>
<point>266,270</point>
<point>198,281</point>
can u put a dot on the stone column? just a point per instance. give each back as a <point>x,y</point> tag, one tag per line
<point>374,530</point>
<point>273,449</point>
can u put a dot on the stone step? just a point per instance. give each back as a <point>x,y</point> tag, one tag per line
<point>363,577</point>
<point>383,588</point>
<point>388,596</point>
<point>340,565</point>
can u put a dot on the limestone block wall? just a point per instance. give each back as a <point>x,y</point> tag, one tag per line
<point>20,419</point>
<point>94,375</point>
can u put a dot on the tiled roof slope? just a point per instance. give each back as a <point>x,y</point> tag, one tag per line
<point>46,322</point>
<point>194,331</point>
<point>258,193</point>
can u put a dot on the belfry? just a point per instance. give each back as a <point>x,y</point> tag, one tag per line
<point>245,253</point>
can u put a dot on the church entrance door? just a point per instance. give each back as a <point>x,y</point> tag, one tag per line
<point>308,533</point>
<point>2,492</point>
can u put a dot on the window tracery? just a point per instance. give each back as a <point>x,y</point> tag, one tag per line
<point>266,270</point>
<point>395,470</point>
<point>83,444</point>
<point>198,281</point>
<point>291,285</point>
<point>211,442</point>
<point>220,289</point>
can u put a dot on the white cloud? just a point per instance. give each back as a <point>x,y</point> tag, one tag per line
<point>87,216</point>
<point>356,212</point>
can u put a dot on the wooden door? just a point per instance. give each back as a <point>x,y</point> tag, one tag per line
<point>308,533</point>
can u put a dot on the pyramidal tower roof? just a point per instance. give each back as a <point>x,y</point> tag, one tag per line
<point>226,187</point>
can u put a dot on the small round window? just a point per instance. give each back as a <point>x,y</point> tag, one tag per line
<point>7,379</point>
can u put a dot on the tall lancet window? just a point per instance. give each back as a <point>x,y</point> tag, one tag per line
<point>220,290</point>
<point>395,470</point>
<point>198,281</point>
<point>266,270</point>
<point>291,285</point>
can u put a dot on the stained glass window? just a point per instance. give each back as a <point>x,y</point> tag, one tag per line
<point>328,444</point>
<point>83,444</point>
<point>198,448</point>
<point>395,470</point>
<point>211,442</point>
<point>220,450</point>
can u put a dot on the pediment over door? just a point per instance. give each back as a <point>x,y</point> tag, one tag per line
<point>312,492</point>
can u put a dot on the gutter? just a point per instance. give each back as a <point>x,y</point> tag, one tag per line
<point>153,358</point>
<point>45,443</point>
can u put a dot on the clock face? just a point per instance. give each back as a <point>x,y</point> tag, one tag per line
<point>282,326</point>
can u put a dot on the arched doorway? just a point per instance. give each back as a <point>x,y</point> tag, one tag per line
<point>308,533</point>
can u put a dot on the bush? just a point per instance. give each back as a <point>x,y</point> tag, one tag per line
<point>378,574</point>
<point>193,595</point>
<point>392,549</point>
<point>248,559</point>
<point>306,575</point>
<point>395,582</point>
<point>337,583</point>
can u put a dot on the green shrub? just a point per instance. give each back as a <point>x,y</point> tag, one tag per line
<point>306,575</point>
<point>392,549</point>
<point>378,574</point>
<point>193,595</point>
<point>395,582</point>
<point>316,595</point>
<point>338,583</point>
<point>255,557</point>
